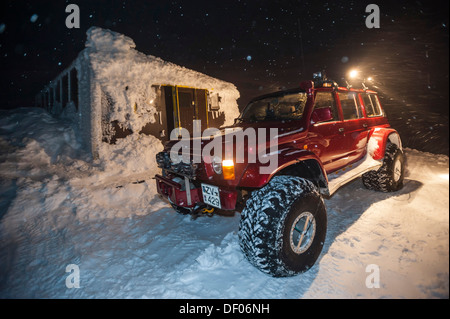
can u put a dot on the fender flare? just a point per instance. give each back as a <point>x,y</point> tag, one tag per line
<point>378,139</point>
<point>287,158</point>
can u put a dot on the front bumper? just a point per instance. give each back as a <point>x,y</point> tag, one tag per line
<point>176,194</point>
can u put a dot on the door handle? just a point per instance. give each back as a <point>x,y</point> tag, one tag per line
<point>341,129</point>
<point>365,125</point>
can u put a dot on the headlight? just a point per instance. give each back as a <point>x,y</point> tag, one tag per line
<point>217,165</point>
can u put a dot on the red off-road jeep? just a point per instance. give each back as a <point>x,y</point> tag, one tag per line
<point>327,136</point>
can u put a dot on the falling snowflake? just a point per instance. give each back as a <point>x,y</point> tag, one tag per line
<point>34,18</point>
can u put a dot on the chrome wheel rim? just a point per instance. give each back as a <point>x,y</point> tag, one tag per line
<point>302,232</point>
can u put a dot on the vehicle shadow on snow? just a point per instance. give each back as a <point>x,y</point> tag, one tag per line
<point>350,202</point>
<point>344,208</point>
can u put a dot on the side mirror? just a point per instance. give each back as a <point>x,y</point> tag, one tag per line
<point>321,115</point>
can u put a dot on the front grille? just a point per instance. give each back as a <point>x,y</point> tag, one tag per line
<point>182,168</point>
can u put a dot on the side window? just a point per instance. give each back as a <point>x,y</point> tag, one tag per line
<point>351,108</point>
<point>326,99</point>
<point>74,87</point>
<point>377,106</point>
<point>51,97</point>
<point>370,110</point>
<point>58,91</point>
<point>65,90</point>
<point>372,105</point>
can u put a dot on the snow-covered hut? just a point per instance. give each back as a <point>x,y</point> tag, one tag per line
<point>111,91</point>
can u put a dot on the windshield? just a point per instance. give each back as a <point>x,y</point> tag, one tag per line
<point>284,107</point>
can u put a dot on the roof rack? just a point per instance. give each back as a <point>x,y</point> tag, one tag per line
<point>320,80</point>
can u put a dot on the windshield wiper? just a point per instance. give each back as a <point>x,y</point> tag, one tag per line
<point>251,119</point>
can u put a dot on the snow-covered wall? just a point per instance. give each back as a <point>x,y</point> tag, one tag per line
<point>84,118</point>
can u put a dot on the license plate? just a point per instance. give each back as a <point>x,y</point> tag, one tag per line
<point>211,195</point>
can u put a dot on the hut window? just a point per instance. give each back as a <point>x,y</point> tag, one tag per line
<point>51,98</point>
<point>58,92</point>
<point>74,87</point>
<point>47,98</point>
<point>65,90</point>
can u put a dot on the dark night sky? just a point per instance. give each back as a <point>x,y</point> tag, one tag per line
<point>408,56</point>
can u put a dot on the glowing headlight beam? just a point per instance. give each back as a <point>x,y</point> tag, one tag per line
<point>228,169</point>
<point>353,74</point>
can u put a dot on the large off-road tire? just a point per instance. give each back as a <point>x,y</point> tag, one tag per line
<point>272,223</point>
<point>389,177</point>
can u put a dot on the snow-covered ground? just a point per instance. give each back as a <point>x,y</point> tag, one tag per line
<point>57,208</point>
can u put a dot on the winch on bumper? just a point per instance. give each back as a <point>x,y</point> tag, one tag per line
<point>181,186</point>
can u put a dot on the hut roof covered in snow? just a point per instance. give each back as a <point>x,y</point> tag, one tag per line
<point>117,65</point>
<point>112,91</point>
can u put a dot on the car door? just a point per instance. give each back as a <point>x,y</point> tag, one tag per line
<point>326,139</point>
<point>355,129</point>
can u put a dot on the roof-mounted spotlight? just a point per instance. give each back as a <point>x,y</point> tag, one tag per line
<point>369,79</point>
<point>353,74</point>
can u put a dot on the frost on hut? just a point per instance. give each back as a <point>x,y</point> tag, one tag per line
<point>112,91</point>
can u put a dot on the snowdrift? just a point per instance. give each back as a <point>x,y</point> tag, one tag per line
<point>59,207</point>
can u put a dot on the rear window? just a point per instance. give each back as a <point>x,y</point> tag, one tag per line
<point>372,105</point>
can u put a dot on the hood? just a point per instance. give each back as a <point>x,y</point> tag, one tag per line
<point>283,131</point>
